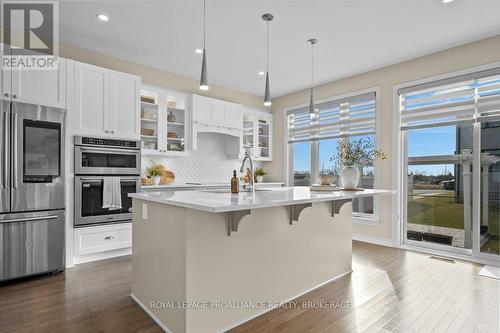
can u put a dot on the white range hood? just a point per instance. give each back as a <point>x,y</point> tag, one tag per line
<point>211,115</point>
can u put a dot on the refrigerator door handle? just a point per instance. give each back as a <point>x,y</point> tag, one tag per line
<point>28,219</point>
<point>14,145</point>
<point>5,159</point>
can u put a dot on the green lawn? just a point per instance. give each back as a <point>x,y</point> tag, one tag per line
<point>442,211</point>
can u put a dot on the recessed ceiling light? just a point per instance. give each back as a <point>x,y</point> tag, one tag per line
<point>261,73</point>
<point>447,1</point>
<point>103,17</point>
<point>199,51</point>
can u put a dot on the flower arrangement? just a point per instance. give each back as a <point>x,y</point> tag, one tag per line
<point>358,152</point>
<point>351,156</point>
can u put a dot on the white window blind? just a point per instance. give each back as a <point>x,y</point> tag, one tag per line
<point>462,99</point>
<point>333,119</point>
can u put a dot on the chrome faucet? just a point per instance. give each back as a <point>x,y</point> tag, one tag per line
<point>251,186</point>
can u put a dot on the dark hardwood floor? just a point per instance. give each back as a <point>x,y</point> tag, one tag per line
<point>390,290</point>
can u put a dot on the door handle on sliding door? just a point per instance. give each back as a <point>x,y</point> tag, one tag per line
<point>14,145</point>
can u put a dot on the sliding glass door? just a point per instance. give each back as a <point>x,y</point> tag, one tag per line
<point>450,145</point>
<point>489,193</point>
<point>439,186</point>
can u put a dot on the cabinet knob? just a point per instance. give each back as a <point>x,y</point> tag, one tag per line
<point>15,96</point>
<point>108,238</point>
<point>6,95</point>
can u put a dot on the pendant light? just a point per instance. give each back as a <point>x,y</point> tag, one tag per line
<point>204,75</point>
<point>312,111</point>
<point>267,95</point>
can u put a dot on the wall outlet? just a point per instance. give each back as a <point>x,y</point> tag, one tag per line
<point>144,211</point>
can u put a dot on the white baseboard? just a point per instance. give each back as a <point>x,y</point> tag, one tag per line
<point>165,328</point>
<point>373,240</point>
<point>145,308</point>
<point>101,255</point>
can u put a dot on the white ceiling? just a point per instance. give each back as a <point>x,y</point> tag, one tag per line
<point>354,35</point>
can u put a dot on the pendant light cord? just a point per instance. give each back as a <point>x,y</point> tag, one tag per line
<point>204,24</point>
<point>312,66</point>
<point>267,46</point>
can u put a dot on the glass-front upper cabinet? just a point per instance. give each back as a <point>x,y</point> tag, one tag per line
<point>164,125</point>
<point>149,120</point>
<point>257,134</point>
<point>263,151</point>
<point>248,134</point>
<point>175,123</point>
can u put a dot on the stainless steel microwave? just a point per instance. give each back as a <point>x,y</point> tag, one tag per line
<point>99,156</point>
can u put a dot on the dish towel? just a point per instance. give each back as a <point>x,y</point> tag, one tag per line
<point>112,193</point>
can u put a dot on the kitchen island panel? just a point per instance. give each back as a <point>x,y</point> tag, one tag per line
<point>267,260</point>
<point>159,261</point>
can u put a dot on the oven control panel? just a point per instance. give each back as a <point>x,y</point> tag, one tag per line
<point>107,142</point>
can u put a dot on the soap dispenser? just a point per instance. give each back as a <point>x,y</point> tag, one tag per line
<point>235,183</point>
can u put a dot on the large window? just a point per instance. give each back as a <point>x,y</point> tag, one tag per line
<point>451,153</point>
<point>313,141</point>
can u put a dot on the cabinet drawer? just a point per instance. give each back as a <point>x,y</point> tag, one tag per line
<point>103,238</point>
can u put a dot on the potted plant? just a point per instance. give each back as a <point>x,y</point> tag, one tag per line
<point>155,172</point>
<point>326,176</point>
<point>353,155</point>
<point>259,174</point>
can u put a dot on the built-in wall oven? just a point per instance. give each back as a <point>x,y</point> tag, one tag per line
<point>89,198</point>
<point>96,159</point>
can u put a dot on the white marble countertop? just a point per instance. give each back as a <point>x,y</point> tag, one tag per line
<point>219,201</point>
<point>195,185</point>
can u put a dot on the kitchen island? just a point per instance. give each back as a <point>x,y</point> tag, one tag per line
<point>209,260</point>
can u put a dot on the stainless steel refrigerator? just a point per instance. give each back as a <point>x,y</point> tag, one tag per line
<point>32,220</point>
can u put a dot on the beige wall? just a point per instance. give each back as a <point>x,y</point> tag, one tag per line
<point>158,77</point>
<point>483,52</point>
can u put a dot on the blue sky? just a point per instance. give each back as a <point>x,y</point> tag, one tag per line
<point>423,142</point>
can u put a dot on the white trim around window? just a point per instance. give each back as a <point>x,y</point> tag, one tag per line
<point>366,219</point>
<point>399,178</point>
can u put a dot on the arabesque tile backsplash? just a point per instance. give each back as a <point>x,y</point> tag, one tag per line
<point>209,163</point>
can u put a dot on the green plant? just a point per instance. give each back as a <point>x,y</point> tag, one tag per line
<point>359,152</point>
<point>260,172</point>
<point>155,170</point>
<point>328,171</point>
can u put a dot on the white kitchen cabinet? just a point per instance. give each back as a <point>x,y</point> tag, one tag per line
<point>165,125</point>
<point>257,134</point>
<point>211,115</point>
<point>102,238</point>
<point>41,87</point>
<point>5,81</point>
<point>92,100</point>
<point>106,102</point>
<point>232,114</point>
<point>125,105</point>
<point>211,111</point>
